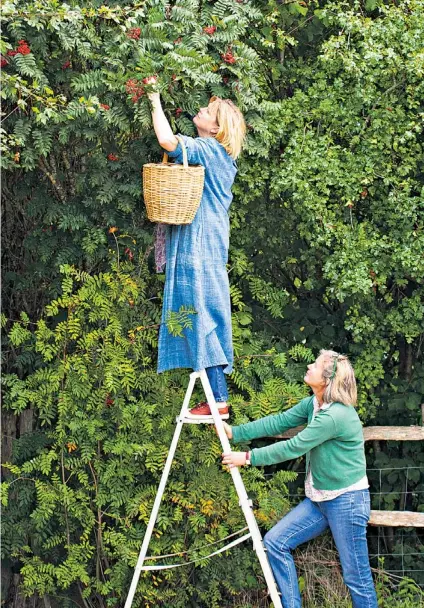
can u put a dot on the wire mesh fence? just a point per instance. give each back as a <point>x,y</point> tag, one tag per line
<point>401,549</point>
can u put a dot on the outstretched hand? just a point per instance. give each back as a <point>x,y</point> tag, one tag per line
<point>227,428</point>
<point>150,82</point>
<point>234,459</point>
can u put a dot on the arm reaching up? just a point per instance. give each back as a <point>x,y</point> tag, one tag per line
<point>166,138</point>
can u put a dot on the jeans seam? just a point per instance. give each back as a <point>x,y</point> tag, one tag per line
<point>364,499</point>
<point>288,569</point>
<point>220,380</point>
<point>356,553</point>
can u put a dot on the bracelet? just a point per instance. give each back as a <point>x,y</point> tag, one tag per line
<point>247,454</point>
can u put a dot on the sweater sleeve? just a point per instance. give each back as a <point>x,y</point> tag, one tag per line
<point>275,424</point>
<point>321,429</point>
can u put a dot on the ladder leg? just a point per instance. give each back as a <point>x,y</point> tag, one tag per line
<point>161,489</point>
<point>245,502</point>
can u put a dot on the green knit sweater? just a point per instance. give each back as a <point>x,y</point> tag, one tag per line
<point>333,442</point>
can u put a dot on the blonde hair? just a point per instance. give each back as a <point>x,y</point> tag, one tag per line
<point>340,378</point>
<point>232,128</point>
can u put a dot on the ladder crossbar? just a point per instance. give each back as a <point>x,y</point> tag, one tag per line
<point>235,542</point>
<point>181,553</point>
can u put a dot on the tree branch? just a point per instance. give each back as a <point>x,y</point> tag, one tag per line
<point>53,180</point>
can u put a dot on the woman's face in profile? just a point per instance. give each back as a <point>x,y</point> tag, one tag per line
<point>314,375</point>
<point>205,121</point>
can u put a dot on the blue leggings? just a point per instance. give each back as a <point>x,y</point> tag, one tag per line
<point>218,382</point>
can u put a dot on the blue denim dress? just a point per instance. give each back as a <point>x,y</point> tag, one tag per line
<point>196,274</point>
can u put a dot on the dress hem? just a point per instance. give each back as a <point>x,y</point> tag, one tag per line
<point>228,369</point>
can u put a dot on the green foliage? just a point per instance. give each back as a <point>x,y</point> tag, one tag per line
<point>82,487</point>
<point>327,250</point>
<point>341,228</point>
<point>407,595</point>
<point>177,321</point>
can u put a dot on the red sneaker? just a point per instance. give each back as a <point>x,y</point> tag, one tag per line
<point>202,411</point>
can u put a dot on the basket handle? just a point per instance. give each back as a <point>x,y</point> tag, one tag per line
<point>185,161</point>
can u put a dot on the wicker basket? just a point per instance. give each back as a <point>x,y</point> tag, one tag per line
<point>172,192</point>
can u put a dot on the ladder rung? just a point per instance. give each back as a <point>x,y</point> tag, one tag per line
<point>193,421</point>
<point>200,559</point>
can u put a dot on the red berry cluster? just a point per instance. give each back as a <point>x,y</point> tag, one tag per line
<point>66,65</point>
<point>178,112</point>
<point>134,33</point>
<point>129,253</point>
<point>225,79</point>
<point>23,47</point>
<point>135,89</point>
<point>112,157</point>
<point>3,62</point>
<point>104,106</point>
<point>178,40</point>
<point>210,30</point>
<point>228,57</point>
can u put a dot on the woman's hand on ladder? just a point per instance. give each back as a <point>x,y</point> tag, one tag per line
<point>227,428</point>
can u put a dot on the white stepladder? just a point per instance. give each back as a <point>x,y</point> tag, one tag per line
<point>245,502</point>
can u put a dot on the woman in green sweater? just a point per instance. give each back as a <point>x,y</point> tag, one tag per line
<point>336,484</point>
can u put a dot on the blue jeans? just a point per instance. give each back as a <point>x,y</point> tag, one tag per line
<point>347,517</point>
<point>218,383</point>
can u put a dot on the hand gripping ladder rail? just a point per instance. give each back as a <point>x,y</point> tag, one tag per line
<point>245,502</point>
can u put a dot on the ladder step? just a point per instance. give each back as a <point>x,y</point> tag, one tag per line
<point>197,421</point>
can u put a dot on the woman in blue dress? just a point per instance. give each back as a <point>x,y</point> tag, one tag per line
<point>197,253</point>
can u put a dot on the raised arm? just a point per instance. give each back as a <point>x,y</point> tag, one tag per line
<point>166,138</point>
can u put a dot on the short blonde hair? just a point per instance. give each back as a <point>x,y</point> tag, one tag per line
<point>340,378</point>
<point>232,128</point>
